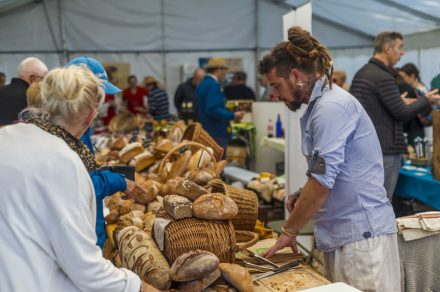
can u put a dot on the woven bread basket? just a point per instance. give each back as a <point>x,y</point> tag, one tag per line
<point>196,133</point>
<point>247,203</point>
<point>185,235</point>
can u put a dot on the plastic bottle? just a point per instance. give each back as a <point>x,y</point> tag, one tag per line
<point>279,127</point>
<point>270,129</point>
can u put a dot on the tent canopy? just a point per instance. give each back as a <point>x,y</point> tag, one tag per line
<point>157,36</point>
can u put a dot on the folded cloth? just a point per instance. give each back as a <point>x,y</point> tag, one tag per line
<point>419,225</point>
<point>430,220</point>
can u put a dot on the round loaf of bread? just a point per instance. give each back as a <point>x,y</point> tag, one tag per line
<point>215,206</point>
<point>193,265</point>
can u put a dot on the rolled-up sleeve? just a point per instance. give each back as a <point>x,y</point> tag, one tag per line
<point>331,127</point>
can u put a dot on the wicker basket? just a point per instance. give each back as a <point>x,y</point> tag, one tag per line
<point>182,236</point>
<point>196,133</point>
<point>245,239</point>
<point>247,203</point>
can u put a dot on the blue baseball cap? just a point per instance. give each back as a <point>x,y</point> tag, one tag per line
<point>98,70</point>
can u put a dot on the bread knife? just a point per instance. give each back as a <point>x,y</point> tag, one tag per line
<point>276,271</point>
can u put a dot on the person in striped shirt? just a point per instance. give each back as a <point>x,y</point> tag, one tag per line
<point>158,101</point>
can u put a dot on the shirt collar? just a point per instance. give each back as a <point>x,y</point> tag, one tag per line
<point>318,88</point>
<point>213,76</point>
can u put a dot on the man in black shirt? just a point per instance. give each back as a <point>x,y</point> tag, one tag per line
<point>238,90</point>
<point>185,98</point>
<point>374,85</point>
<point>13,95</point>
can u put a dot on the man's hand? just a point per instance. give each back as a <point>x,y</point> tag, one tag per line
<point>282,242</point>
<point>238,115</point>
<point>147,288</point>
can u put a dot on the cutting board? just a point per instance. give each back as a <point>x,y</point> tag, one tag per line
<point>296,279</point>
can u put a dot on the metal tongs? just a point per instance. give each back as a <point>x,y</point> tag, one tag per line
<point>270,271</point>
<point>255,256</point>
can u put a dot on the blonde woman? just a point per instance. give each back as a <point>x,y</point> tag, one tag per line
<point>47,218</point>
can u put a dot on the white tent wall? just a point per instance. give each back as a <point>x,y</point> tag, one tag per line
<point>156,36</point>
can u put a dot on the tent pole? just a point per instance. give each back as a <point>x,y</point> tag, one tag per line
<point>257,47</point>
<point>63,58</point>
<point>164,59</point>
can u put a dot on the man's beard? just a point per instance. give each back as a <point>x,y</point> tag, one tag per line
<point>298,100</point>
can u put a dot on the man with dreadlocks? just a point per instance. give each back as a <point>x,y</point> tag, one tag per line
<point>344,193</point>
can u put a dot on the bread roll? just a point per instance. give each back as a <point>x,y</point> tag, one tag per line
<point>200,177</point>
<point>164,146</point>
<point>193,265</point>
<point>219,167</point>
<point>112,217</point>
<point>130,151</point>
<point>215,206</point>
<point>237,276</point>
<point>181,165</point>
<point>190,189</point>
<point>177,207</point>
<point>200,284</point>
<point>118,144</point>
<point>169,188</point>
<point>143,160</point>
<point>147,192</point>
<point>199,158</point>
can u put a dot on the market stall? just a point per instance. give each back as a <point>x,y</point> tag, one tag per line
<point>185,228</point>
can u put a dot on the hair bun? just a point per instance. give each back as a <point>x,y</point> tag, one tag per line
<point>314,54</point>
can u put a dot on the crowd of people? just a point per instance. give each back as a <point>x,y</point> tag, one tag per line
<point>352,139</point>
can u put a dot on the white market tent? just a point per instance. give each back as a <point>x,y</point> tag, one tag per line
<point>156,36</point>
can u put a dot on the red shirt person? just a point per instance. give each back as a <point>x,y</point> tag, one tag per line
<point>134,96</point>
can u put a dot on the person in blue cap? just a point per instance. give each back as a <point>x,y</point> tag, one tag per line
<point>105,182</point>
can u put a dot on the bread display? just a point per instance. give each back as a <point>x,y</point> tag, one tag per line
<point>192,227</point>
<point>214,206</point>
<point>237,276</point>
<point>177,207</point>
<point>193,265</point>
<point>130,151</point>
<point>189,189</point>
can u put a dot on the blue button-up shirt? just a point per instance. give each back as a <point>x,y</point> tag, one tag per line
<point>336,125</point>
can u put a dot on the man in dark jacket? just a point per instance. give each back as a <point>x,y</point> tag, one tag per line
<point>211,108</point>
<point>374,85</point>
<point>238,90</point>
<point>185,98</point>
<point>13,95</point>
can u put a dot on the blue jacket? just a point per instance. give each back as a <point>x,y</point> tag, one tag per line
<point>211,109</point>
<point>105,183</point>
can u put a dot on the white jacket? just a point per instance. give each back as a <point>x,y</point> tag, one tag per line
<point>47,219</point>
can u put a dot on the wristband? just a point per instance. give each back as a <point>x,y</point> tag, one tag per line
<point>285,232</point>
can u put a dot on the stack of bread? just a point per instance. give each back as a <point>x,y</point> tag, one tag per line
<point>173,179</point>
